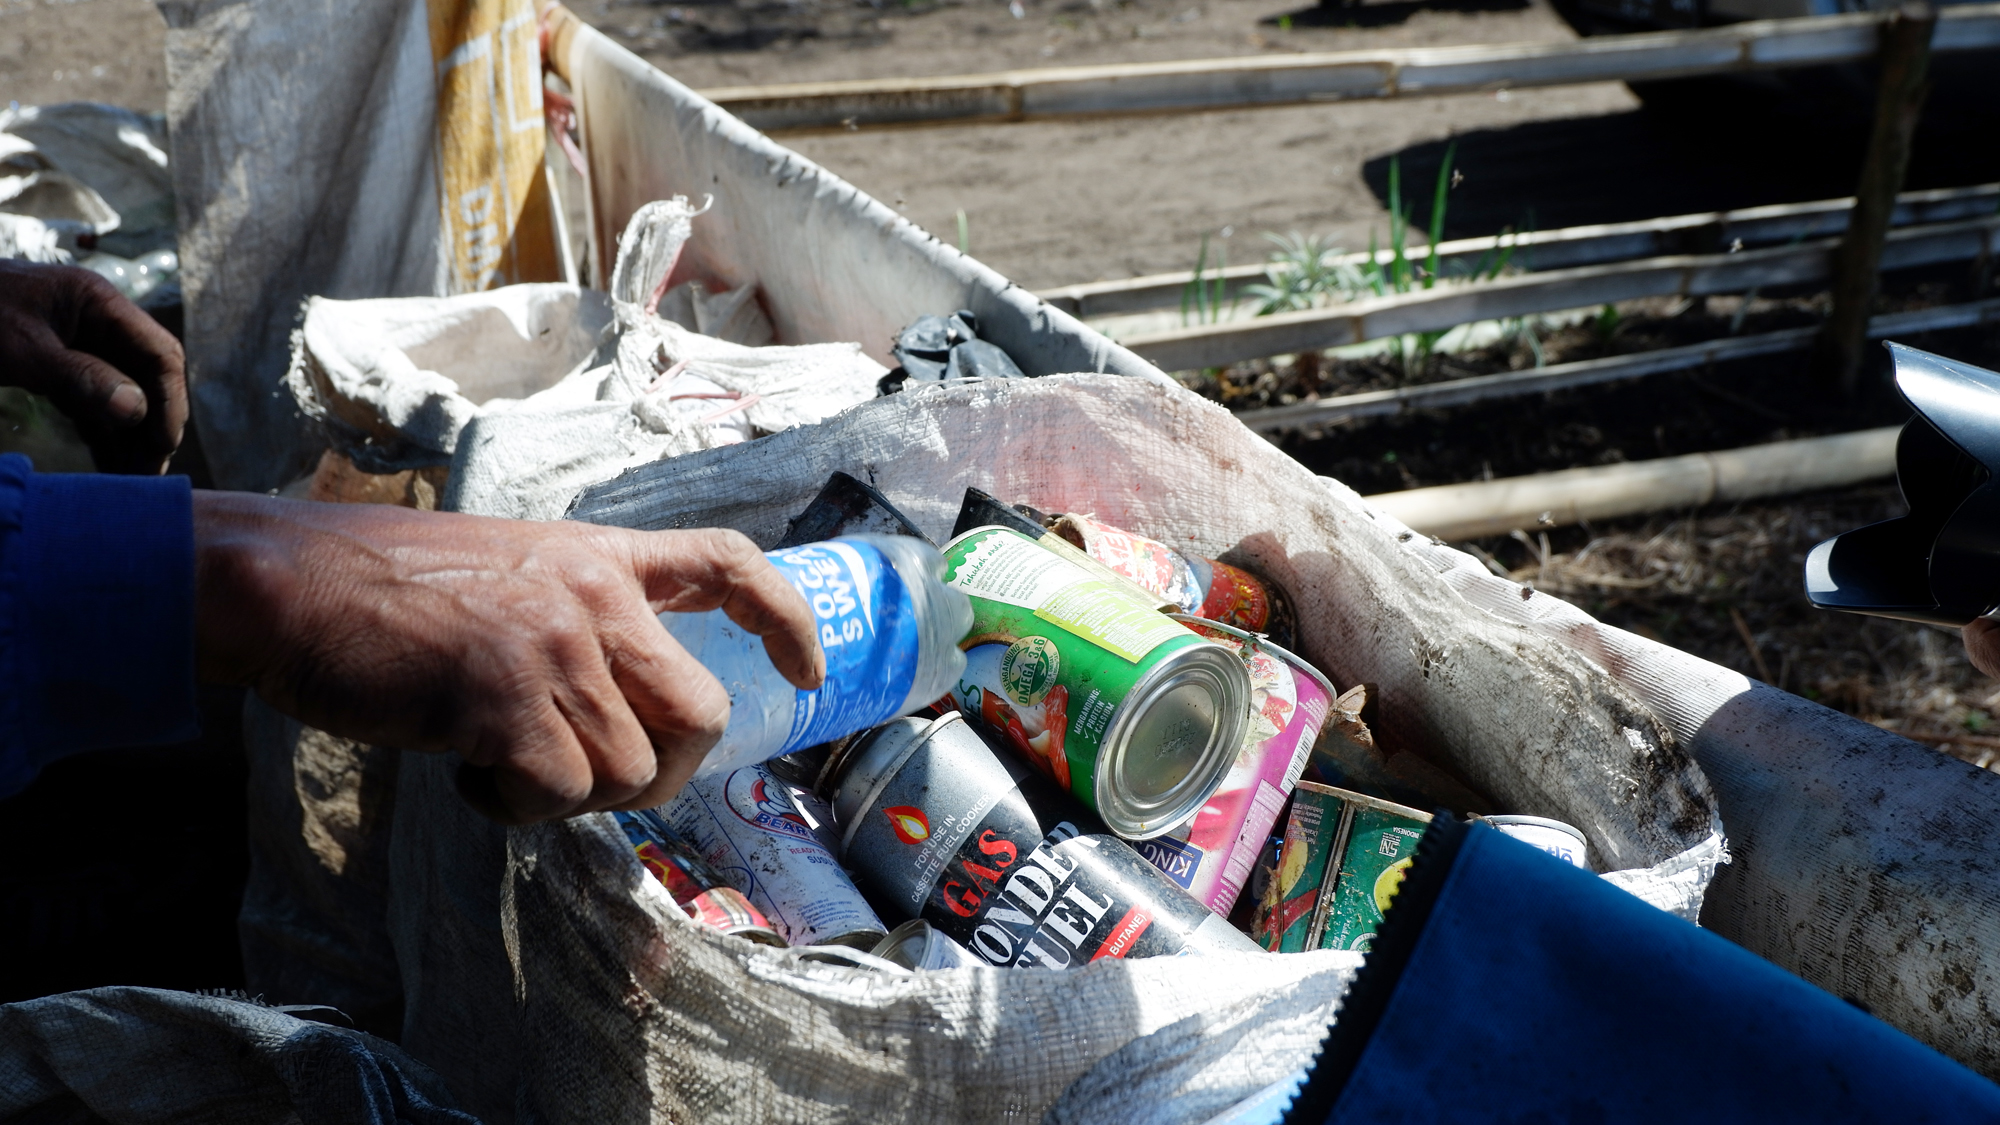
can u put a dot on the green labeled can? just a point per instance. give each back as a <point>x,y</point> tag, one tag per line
<point>1344,857</point>
<point>1134,713</point>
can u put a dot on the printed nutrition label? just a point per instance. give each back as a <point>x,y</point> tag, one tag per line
<point>1005,567</point>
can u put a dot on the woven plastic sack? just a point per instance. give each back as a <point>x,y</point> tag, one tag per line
<point>618,1009</point>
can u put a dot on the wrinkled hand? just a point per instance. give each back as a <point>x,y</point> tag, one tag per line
<point>69,335</point>
<point>532,650</point>
<point>1982,645</point>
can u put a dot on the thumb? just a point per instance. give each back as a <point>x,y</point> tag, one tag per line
<point>695,571</point>
<point>86,388</point>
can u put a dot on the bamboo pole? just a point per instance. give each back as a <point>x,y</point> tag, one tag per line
<point>1857,275</point>
<point>1457,512</point>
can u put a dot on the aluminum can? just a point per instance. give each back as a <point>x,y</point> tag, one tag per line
<point>1213,855</point>
<point>753,830</point>
<point>936,825</point>
<point>1344,858</point>
<point>695,887</point>
<point>916,944</point>
<point>1128,710</point>
<point>1563,841</point>
<point>1200,586</point>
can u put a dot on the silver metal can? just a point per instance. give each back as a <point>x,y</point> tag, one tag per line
<point>938,826</point>
<point>916,944</point>
<point>1563,841</point>
<point>752,829</point>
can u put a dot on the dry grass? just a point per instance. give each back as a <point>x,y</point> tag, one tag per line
<point>1727,587</point>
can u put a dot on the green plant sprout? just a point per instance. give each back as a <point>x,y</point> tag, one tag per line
<point>964,234</point>
<point>1201,295</point>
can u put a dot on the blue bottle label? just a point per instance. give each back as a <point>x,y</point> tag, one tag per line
<point>868,630</point>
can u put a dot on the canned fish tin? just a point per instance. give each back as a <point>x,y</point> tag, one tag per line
<point>695,886</point>
<point>1213,854</point>
<point>916,944</point>
<point>1344,858</point>
<point>1563,841</point>
<point>1125,708</point>
<point>937,825</point>
<point>1201,586</point>
<point>751,828</point>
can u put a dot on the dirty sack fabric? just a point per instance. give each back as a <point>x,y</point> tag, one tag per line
<point>146,1056</point>
<point>669,391</point>
<point>577,994</point>
<point>1194,1069</point>
<point>314,924</point>
<point>109,161</point>
<point>632,1012</point>
<point>1862,861</point>
<point>393,381</point>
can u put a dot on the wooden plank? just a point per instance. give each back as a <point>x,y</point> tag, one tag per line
<point>1590,372</point>
<point>1564,247</point>
<point>1436,310</point>
<point>1252,81</point>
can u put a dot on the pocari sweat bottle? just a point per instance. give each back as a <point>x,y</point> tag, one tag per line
<point>888,624</point>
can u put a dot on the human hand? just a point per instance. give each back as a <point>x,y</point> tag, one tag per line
<point>1982,645</point>
<point>69,335</point>
<point>532,650</point>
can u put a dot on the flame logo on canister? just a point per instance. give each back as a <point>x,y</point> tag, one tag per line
<point>909,823</point>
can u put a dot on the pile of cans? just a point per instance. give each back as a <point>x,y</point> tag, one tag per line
<point>1107,778</point>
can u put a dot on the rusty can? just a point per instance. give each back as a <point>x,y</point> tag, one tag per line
<point>1344,858</point>
<point>695,886</point>
<point>936,825</point>
<point>753,830</point>
<point>1132,712</point>
<point>1213,854</point>
<point>1199,586</point>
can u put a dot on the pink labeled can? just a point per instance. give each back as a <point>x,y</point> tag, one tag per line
<point>1213,855</point>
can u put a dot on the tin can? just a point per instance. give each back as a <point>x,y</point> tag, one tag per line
<point>1129,710</point>
<point>752,829</point>
<point>936,825</point>
<point>1563,841</point>
<point>980,509</point>
<point>1344,858</point>
<point>695,887</point>
<point>916,944</point>
<point>1213,855</point>
<point>1200,586</point>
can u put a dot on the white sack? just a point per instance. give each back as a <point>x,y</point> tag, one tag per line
<point>613,1009</point>
<point>117,158</point>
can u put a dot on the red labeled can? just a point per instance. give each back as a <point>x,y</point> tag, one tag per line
<point>1200,586</point>
<point>693,884</point>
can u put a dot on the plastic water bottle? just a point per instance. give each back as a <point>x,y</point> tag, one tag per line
<point>888,624</point>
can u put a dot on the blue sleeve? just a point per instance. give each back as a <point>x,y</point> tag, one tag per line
<point>96,615</point>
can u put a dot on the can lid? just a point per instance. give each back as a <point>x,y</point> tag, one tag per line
<point>1172,741</point>
<point>1537,822</point>
<point>873,760</point>
<point>1298,663</point>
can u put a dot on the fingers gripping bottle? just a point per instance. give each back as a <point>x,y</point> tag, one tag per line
<point>888,624</point>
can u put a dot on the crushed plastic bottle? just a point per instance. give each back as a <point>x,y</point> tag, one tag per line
<point>888,624</point>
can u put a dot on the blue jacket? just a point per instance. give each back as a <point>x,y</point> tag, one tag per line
<point>96,615</point>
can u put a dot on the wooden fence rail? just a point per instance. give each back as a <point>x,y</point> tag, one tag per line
<point>1237,83</point>
<point>1563,248</point>
<point>1448,306</point>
